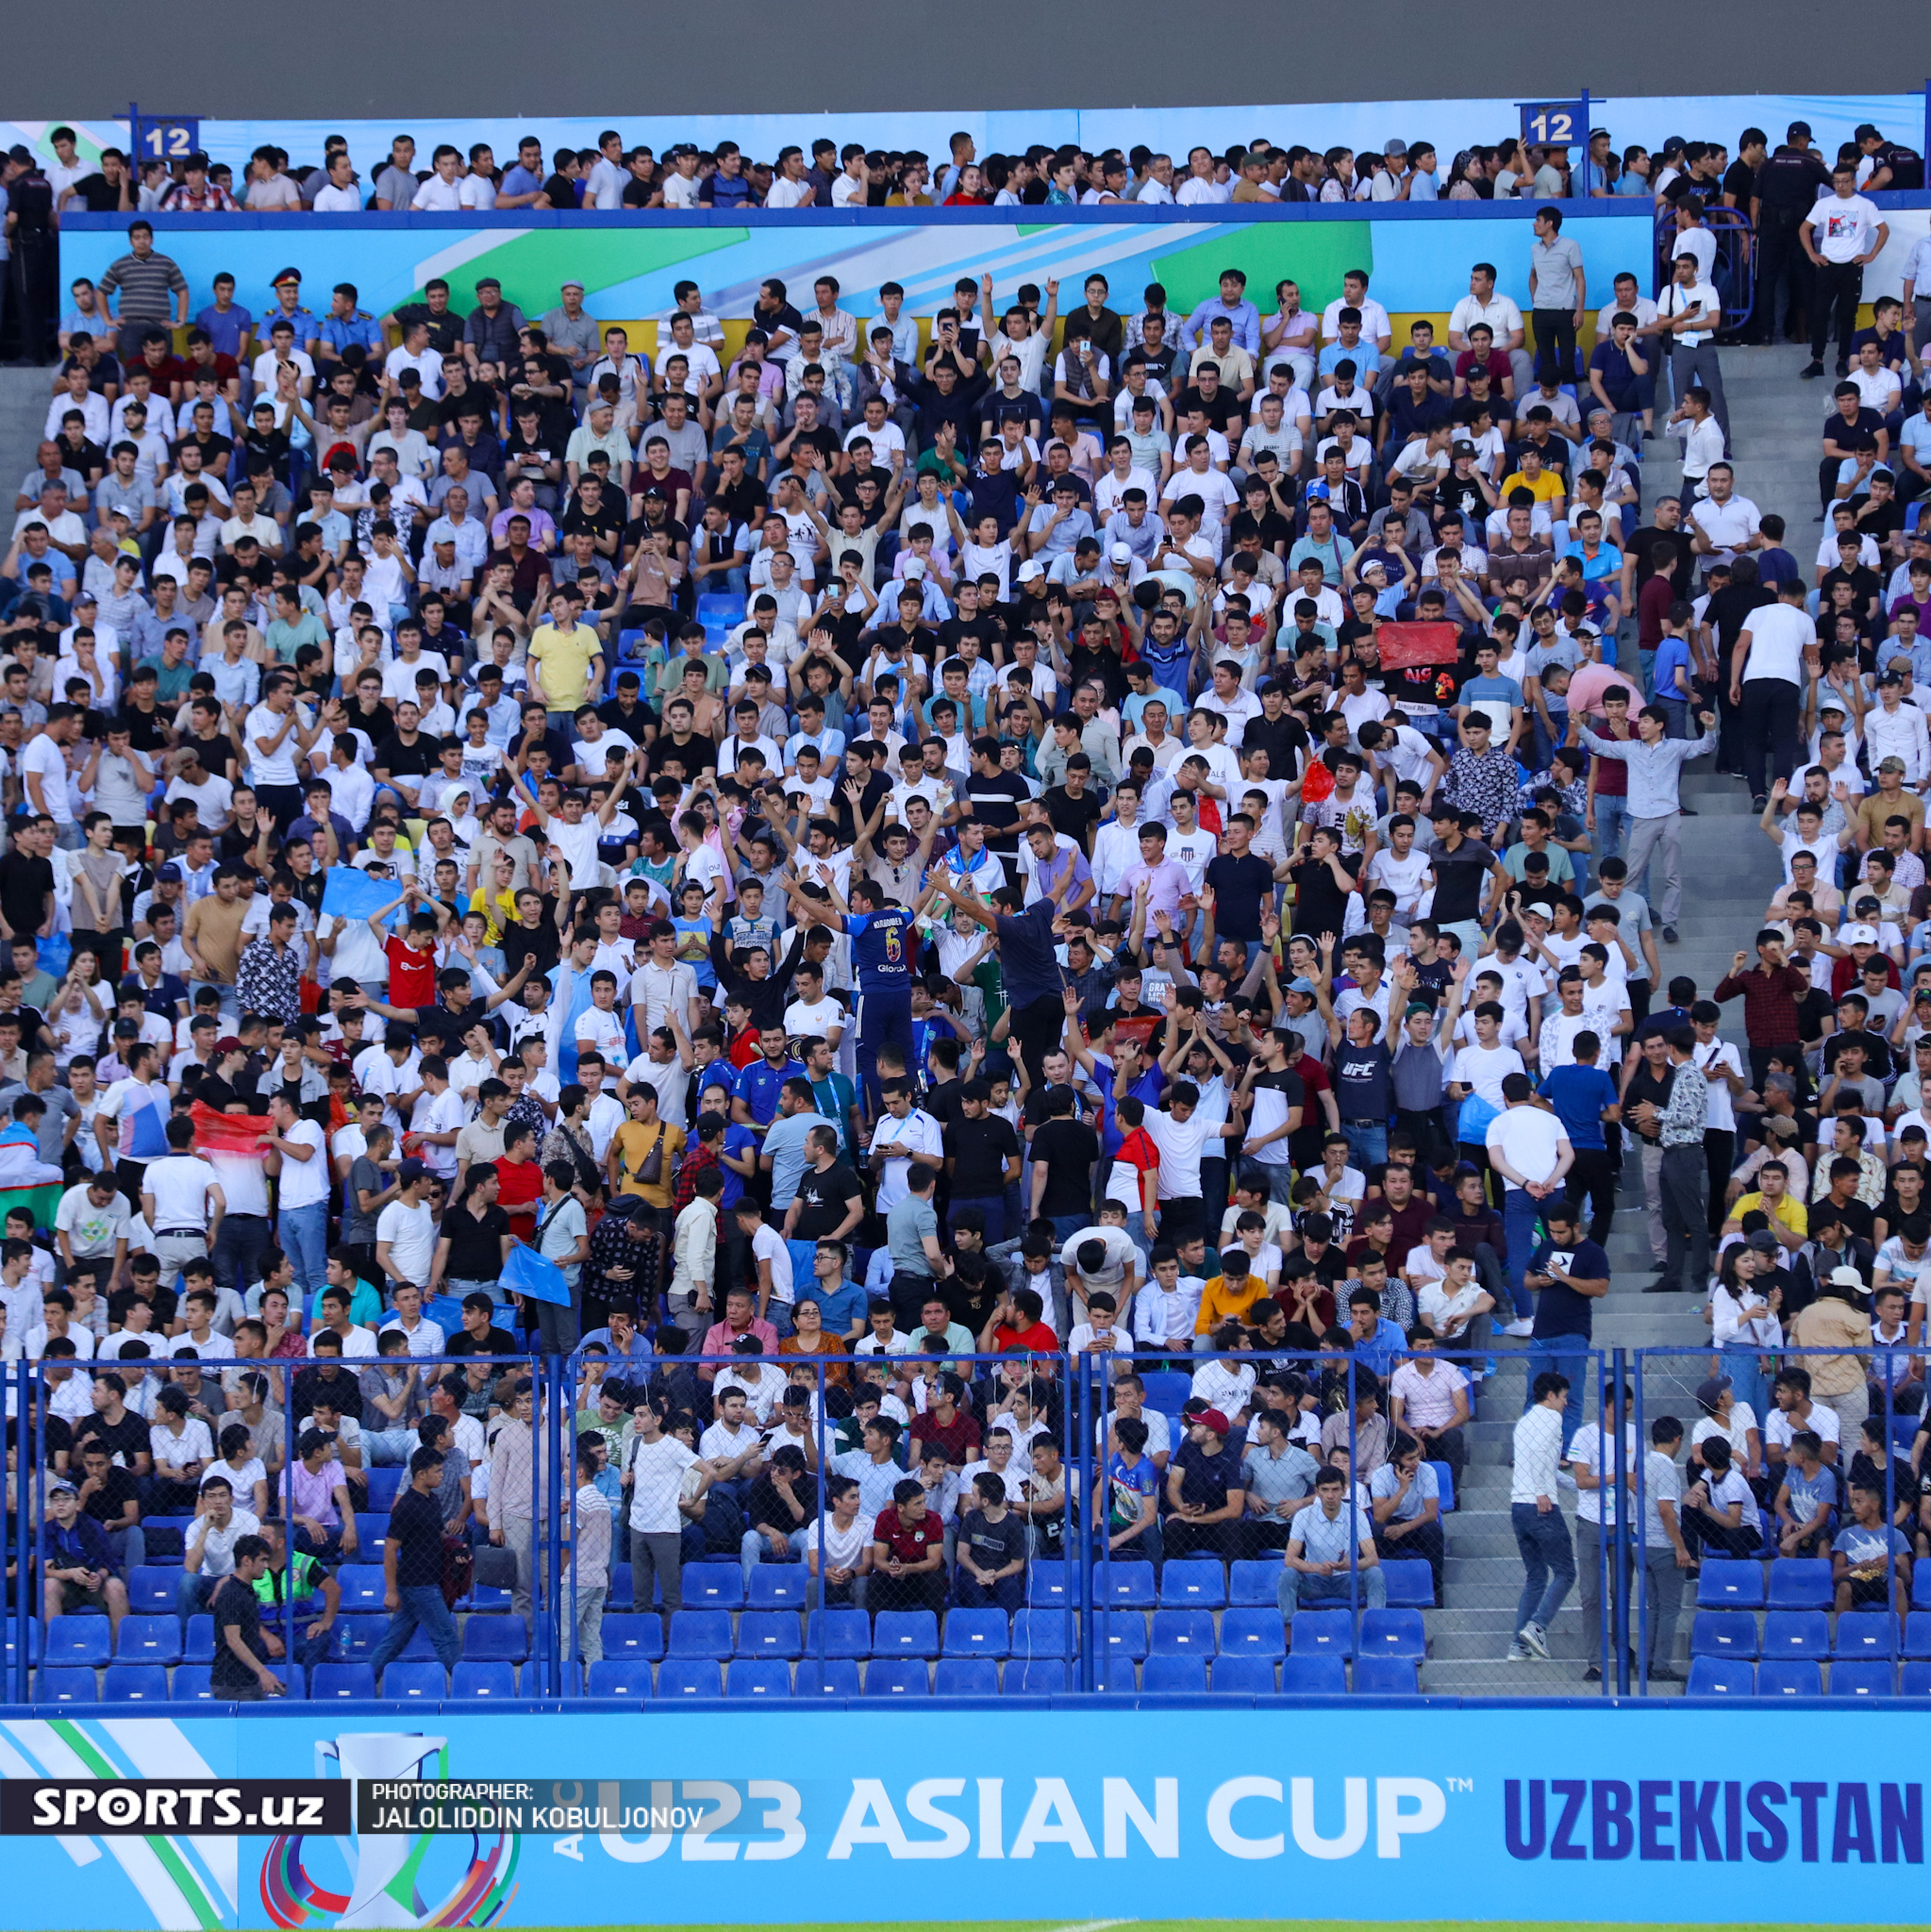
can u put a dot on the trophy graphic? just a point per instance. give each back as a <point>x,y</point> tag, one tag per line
<point>377,1858</point>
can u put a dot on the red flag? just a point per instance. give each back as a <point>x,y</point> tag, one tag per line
<point>1402,644</point>
<point>227,1133</point>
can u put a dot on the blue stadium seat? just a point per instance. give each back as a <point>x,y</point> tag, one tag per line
<point>847,1633</point>
<point>975,1633</point>
<point>1915,1680</point>
<point>1124,1586</point>
<point>385,1486</point>
<point>198,1645</point>
<point>1320,1673</point>
<point>1393,1633</point>
<point>1257,1580</point>
<point>622,1594</point>
<point>33,1639</point>
<point>1410,1584</point>
<point>1039,1677</point>
<point>1124,1633</point>
<point>355,1638</point>
<point>690,1677</point>
<point>362,1587</point>
<point>495,1640</point>
<point>965,1676</point>
<point>1386,1676</point>
<point>1039,1633</point>
<point>1863,1677</point>
<point>700,1633</point>
<point>1921,1587</point>
<point>1918,1634</point>
<point>1722,1676</point>
<point>1117,1674</point>
<point>1723,1633</point>
<point>495,1678</point>
<point>1866,1634</point>
<point>1800,1583</point>
<point>1194,1583</point>
<point>624,1677</point>
<point>836,1676</point>
<point>166,1538</point>
<point>404,1678</point>
<point>149,1641</point>
<point>713,1586</point>
<point>1182,1633</point>
<point>778,1586</point>
<point>371,1527</point>
<point>769,1634</point>
<point>341,1680</point>
<point>757,1677</point>
<point>1046,1584</point>
<point>1181,1674</point>
<point>897,1676</point>
<point>1728,1584</point>
<point>151,1590</point>
<point>1444,1476</point>
<point>1903,1428</point>
<point>77,1641</point>
<point>1790,1676</point>
<point>191,1684</point>
<point>135,1684</point>
<point>1166,1389</point>
<point>1243,1675</point>
<point>1316,1633</point>
<point>1254,1632</point>
<point>634,1636</point>
<point>906,1633</point>
<point>487,1597</point>
<point>1796,1633</point>
<point>726,607</point>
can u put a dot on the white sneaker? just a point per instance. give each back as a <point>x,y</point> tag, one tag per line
<point>1523,1327</point>
<point>1534,1640</point>
<point>1517,1654</point>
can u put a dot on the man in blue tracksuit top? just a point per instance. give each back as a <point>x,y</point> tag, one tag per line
<point>881,936</point>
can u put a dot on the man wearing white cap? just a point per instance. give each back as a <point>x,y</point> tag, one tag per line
<point>572,332</point>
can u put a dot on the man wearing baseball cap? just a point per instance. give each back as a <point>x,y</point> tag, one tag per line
<point>1205,1490</point>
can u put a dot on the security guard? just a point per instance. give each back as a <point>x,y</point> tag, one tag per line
<point>288,307</point>
<point>344,325</point>
<point>1786,186</point>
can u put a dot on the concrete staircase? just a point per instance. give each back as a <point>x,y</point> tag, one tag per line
<point>1729,873</point>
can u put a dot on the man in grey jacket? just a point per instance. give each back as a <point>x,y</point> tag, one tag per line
<point>1656,764</point>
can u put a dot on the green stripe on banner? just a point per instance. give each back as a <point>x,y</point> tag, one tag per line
<point>1314,254</point>
<point>532,267</point>
<point>172,1862</point>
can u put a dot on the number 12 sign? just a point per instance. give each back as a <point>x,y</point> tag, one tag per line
<point>1556,124</point>
<point>162,137</point>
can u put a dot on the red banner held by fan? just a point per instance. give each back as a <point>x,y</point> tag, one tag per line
<point>1402,644</point>
<point>227,1133</point>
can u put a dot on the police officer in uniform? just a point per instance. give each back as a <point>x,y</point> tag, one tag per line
<point>31,269</point>
<point>1788,186</point>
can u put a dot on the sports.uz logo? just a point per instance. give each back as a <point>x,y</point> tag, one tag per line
<point>385,1871</point>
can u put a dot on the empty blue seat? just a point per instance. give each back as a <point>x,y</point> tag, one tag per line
<point>1918,1632</point>
<point>634,1636</point>
<point>407,1678</point>
<point>1393,1633</point>
<point>906,1633</point>
<point>1182,1633</point>
<point>1921,1587</point>
<point>1118,1673</point>
<point>1254,1632</point>
<point>847,1633</point>
<point>1410,1585</point>
<point>1122,1633</point>
<point>700,1633</point>
<point>1195,1583</point>
<point>1915,1679</point>
<point>1245,1674</point>
<point>778,1586</point>
<point>385,1486</point>
<point>713,1586</point>
<point>497,1639</point>
<point>769,1634</point>
<point>1039,1633</point>
<point>1039,1677</point>
<point>357,1638</point>
<point>191,1684</point>
<point>1790,1676</point>
<point>1444,1477</point>
<point>1124,1586</point>
<point>1317,1674</point>
<point>621,1593</point>
<point>975,1633</point>
<point>1047,1583</point>
<point>151,1590</point>
<point>197,1647</point>
<point>1166,1389</point>
<point>690,1677</point>
<point>341,1680</point>
<point>1796,1633</point>
<point>897,1676</point>
<point>727,607</point>
<point>1866,1634</point>
<point>135,1684</point>
<point>965,1676</point>
<point>1729,1584</point>
<point>33,1639</point>
<point>1862,1677</point>
<point>487,1597</point>
<point>836,1676</point>
<point>620,1676</point>
<point>362,1587</point>
<point>1722,1676</point>
<point>1255,1580</point>
<point>149,1641</point>
<point>1317,1633</point>
<point>77,1641</point>
<point>757,1677</point>
<point>484,1677</point>
<point>1184,1674</point>
<point>371,1527</point>
<point>1723,1633</point>
<point>1386,1676</point>
<point>1800,1583</point>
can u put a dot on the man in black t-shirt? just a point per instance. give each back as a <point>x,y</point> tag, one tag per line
<point>239,1672</point>
<point>981,1152</point>
<point>412,1567</point>
<point>830,1201</point>
<point>26,881</point>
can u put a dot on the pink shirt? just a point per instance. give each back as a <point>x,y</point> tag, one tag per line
<point>721,1335</point>
<point>1588,682</point>
<point>1168,882</point>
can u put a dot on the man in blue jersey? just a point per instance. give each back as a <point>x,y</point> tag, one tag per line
<point>1035,980</point>
<point>882,939</point>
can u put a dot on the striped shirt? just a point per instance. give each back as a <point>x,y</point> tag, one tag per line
<point>145,282</point>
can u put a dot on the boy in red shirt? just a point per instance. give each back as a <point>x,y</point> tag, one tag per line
<point>907,1553</point>
<point>412,951</point>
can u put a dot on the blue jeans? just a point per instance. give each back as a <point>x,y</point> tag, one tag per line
<point>1747,1379</point>
<point>191,1592</point>
<point>305,1241</point>
<point>1367,1147</point>
<point>1297,1588</point>
<point>388,1448</point>
<point>1066,1225</point>
<point>1548,1559</point>
<point>1612,828</point>
<point>1563,1355</point>
<point>994,1208</point>
<point>1518,1211</point>
<point>422,1607</point>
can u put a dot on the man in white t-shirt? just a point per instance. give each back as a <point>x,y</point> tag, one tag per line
<point>1767,682</point>
<point>1528,1147</point>
<point>406,1229</point>
<point>1841,234</point>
